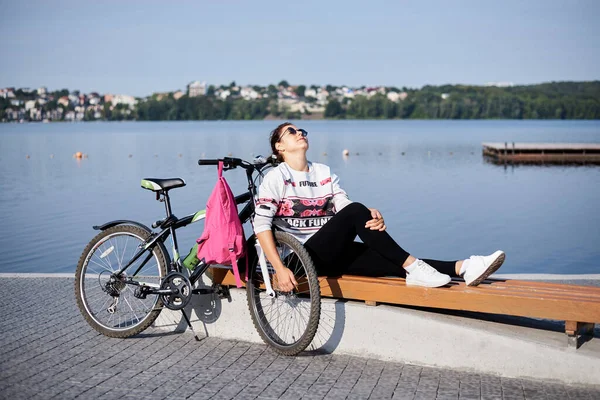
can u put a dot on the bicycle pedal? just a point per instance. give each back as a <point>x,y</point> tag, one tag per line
<point>223,292</point>
<point>140,293</point>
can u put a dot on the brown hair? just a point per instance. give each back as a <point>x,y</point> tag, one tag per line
<point>275,137</point>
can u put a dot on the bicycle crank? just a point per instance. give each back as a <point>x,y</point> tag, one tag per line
<point>175,291</point>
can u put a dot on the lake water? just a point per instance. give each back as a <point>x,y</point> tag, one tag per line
<point>439,197</point>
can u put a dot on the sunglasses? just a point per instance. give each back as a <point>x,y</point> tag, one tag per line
<point>293,131</point>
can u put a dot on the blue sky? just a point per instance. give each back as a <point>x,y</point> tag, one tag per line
<point>139,47</point>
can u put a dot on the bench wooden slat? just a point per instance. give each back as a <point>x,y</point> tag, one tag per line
<point>503,283</point>
<point>506,288</point>
<point>592,292</point>
<point>461,297</point>
<point>540,292</point>
<point>541,287</point>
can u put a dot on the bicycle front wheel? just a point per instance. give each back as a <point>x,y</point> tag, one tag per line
<point>108,304</point>
<point>288,321</point>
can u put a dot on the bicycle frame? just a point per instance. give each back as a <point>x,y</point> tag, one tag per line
<point>171,223</point>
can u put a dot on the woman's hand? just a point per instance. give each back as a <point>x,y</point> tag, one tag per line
<point>286,282</point>
<point>284,278</point>
<point>377,223</point>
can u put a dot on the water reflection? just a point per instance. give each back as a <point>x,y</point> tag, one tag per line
<point>541,163</point>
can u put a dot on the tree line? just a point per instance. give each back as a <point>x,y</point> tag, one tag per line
<point>563,100</point>
<point>556,100</point>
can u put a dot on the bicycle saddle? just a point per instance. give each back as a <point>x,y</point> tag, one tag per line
<point>156,184</point>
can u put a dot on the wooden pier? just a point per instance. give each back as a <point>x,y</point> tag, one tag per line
<point>542,153</point>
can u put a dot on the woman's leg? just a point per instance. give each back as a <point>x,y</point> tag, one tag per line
<point>445,267</point>
<point>361,260</point>
<point>330,249</point>
<point>331,242</point>
<point>331,245</point>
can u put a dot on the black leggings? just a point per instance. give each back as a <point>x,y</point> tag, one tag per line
<point>335,252</point>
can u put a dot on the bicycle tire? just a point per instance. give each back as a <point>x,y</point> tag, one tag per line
<point>308,293</point>
<point>106,260</point>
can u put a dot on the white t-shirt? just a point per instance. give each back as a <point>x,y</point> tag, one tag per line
<point>299,203</point>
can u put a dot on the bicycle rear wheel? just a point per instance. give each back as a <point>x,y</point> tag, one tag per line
<point>287,322</point>
<point>96,289</point>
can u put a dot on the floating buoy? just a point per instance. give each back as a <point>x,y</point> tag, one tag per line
<point>131,155</point>
<point>403,153</point>
<point>346,152</point>
<point>156,155</point>
<point>78,155</point>
<point>51,155</point>
<point>324,154</point>
<point>180,155</point>
<point>451,153</point>
<point>380,153</point>
<point>27,156</point>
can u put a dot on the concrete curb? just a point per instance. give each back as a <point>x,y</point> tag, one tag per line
<point>35,275</point>
<point>538,277</point>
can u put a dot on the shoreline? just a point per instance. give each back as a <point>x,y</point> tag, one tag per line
<point>303,118</point>
<point>542,277</point>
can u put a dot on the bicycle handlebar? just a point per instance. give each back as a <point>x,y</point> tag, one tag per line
<point>231,162</point>
<point>208,162</point>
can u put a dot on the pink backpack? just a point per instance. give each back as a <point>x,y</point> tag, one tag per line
<point>222,241</point>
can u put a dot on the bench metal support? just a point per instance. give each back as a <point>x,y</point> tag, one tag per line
<point>578,333</point>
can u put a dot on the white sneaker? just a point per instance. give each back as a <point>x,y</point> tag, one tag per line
<point>424,274</point>
<point>480,267</point>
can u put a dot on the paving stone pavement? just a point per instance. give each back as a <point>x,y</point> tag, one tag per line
<point>48,351</point>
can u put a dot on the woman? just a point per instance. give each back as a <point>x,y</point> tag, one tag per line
<point>305,200</point>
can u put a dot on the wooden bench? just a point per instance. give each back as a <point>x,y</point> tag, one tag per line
<point>578,306</point>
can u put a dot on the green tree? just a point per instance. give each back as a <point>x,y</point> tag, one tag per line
<point>272,91</point>
<point>334,109</point>
<point>60,93</point>
<point>89,115</point>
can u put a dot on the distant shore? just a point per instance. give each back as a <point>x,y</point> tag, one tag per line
<point>304,117</point>
<point>555,100</point>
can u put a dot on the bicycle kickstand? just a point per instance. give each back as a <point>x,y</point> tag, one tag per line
<point>190,324</point>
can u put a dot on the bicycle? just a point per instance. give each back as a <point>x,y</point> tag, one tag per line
<point>125,275</point>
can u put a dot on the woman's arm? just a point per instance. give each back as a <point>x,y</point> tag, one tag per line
<point>269,197</point>
<point>340,198</point>
<point>285,277</point>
